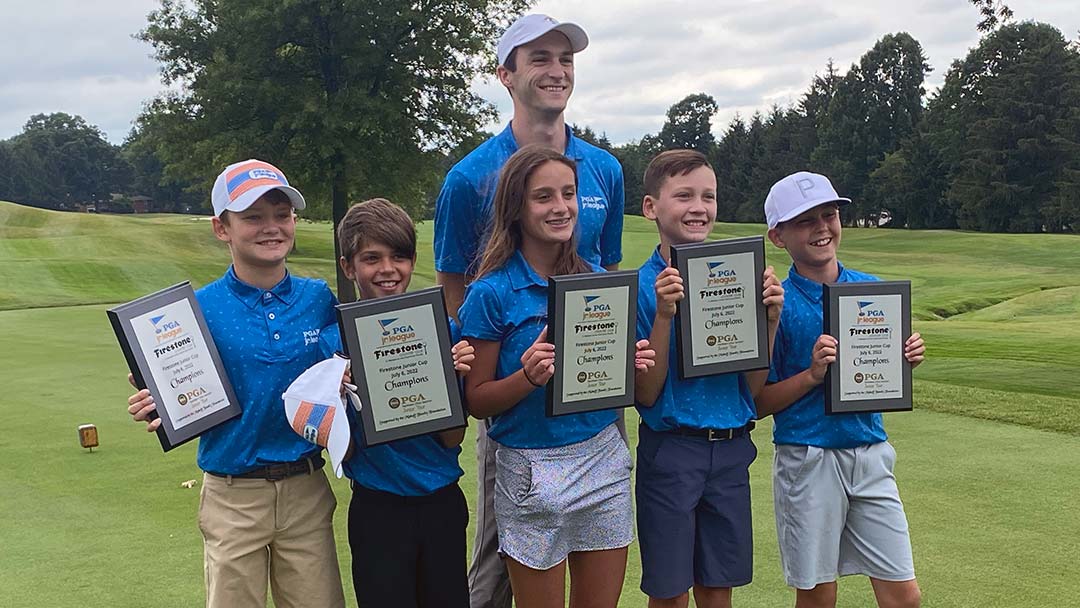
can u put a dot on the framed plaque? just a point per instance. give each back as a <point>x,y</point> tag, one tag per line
<point>592,321</point>
<point>169,350</point>
<point>402,366</point>
<point>720,325</point>
<point>871,322</point>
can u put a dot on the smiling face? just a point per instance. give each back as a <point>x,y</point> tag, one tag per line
<point>261,236</point>
<point>378,270</point>
<point>543,75</point>
<point>684,208</point>
<point>551,207</point>
<point>811,239</point>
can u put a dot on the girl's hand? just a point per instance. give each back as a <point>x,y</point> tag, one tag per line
<point>463,354</point>
<point>645,357</point>
<point>538,361</point>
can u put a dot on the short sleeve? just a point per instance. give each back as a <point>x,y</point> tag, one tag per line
<point>611,235</point>
<point>455,330</point>
<point>481,314</point>
<point>457,239</point>
<point>329,341</point>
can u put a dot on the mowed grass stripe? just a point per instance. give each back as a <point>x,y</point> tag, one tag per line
<point>1009,300</point>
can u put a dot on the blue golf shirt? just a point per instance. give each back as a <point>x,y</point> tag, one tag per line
<point>709,402</point>
<point>463,209</point>
<point>805,422</point>
<point>266,339</point>
<point>416,466</point>
<point>509,305</point>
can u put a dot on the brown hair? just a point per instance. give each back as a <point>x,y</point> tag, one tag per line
<point>510,198</point>
<point>669,164</point>
<point>511,60</point>
<point>376,221</point>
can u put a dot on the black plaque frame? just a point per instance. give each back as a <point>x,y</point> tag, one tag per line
<point>347,316</point>
<point>830,304</point>
<point>121,317</point>
<point>559,287</point>
<point>680,257</point>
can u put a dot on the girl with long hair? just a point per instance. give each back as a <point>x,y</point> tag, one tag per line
<point>562,485</point>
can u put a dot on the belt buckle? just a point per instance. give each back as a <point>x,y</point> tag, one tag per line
<point>720,435</point>
<point>276,472</point>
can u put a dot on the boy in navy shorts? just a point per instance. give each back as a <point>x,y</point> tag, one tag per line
<point>408,515</point>
<point>694,448</point>
<point>838,510</point>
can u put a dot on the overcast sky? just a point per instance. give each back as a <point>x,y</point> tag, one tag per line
<point>80,57</point>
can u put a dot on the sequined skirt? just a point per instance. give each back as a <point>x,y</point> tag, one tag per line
<point>550,502</point>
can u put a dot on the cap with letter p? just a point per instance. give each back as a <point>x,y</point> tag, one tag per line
<point>798,193</point>
<point>242,183</point>
<point>530,27</point>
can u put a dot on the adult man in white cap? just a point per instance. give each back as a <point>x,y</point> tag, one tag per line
<point>536,65</point>
<point>266,512</point>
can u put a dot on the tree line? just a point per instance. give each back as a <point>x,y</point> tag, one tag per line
<point>354,99</point>
<point>996,148</point>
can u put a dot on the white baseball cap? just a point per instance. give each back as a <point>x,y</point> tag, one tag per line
<point>530,27</point>
<point>797,193</point>
<point>242,183</point>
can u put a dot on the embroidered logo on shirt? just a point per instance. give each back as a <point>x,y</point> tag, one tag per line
<point>311,336</point>
<point>593,202</point>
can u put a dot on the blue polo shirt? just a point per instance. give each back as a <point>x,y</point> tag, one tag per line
<point>709,402</point>
<point>805,422</point>
<point>416,466</point>
<point>463,209</point>
<point>509,305</point>
<point>266,339</point>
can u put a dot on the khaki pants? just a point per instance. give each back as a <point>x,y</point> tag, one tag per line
<point>257,531</point>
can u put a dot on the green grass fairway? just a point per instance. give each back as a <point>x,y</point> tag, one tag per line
<point>989,463</point>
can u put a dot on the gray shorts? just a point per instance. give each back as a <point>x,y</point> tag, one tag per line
<point>551,502</point>
<point>838,512</point>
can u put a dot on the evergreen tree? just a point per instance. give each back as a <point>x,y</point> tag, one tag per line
<point>1010,130</point>
<point>875,105</point>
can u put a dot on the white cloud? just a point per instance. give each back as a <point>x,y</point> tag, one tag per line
<point>79,57</point>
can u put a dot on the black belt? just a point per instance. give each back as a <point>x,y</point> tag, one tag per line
<point>714,434</point>
<point>280,470</point>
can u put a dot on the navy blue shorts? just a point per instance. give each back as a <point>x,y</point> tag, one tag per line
<point>693,512</point>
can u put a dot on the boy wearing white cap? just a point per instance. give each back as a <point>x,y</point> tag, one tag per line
<point>838,510</point>
<point>266,508</point>
<point>536,65</point>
